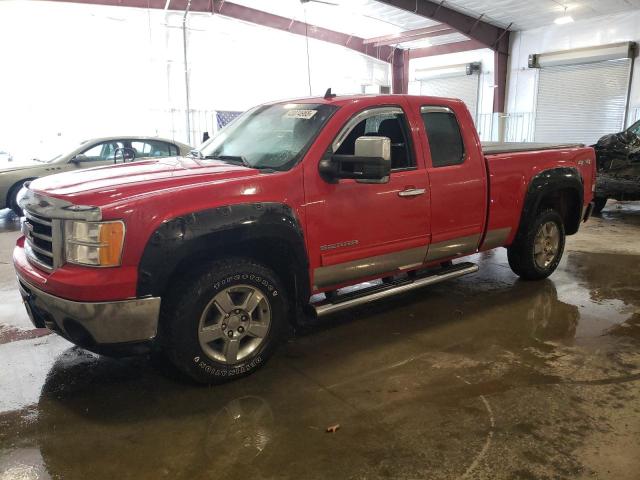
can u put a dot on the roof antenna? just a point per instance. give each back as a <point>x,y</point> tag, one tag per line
<point>328,95</point>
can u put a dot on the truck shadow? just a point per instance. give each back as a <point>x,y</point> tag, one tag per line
<point>109,390</point>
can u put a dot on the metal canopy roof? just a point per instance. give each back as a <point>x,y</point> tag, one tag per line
<point>529,14</point>
<point>372,18</point>
<point>362,18</point>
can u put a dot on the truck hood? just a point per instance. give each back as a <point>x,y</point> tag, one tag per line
<point>116,183</point>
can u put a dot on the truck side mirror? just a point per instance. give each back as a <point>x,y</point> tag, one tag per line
<point>371,162</point>
<point>79,159</point>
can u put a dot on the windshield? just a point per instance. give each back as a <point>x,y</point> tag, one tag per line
<point>270,136</point>
<point>63,147</point>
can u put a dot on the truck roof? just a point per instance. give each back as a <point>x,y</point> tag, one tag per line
<point>342,100</point>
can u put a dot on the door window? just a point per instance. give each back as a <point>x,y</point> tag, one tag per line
<point>151,148</point>
<point>443,133</point>
<point>383,122</point>
<point>103,151</point>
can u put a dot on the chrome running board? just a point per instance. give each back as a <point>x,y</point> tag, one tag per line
<point>343,302</point>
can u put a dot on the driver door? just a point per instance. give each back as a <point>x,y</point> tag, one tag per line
<point>363,230</point>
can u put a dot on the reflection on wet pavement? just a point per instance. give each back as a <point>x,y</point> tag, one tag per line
<point>9,221</point>
<point>482,377</point>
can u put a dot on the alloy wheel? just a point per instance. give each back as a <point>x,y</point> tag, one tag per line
<point>234,324</point>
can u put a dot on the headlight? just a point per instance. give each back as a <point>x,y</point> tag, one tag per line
<point>98,244</point>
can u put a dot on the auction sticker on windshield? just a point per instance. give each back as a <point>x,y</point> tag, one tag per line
<point>304,114</point>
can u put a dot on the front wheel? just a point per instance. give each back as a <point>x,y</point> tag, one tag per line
<point>536,253</point>
<point>225,321</point>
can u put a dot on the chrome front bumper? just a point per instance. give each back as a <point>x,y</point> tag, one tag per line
<point>92,323</point>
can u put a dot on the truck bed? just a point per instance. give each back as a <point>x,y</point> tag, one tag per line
<point>495,148</point>
<point>513,166</point>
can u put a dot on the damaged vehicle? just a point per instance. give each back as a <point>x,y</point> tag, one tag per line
<point>618,162</point>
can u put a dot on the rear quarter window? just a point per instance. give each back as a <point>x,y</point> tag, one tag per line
<point>445,140</point>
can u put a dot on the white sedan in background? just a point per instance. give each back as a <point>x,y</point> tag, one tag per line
<point>90,153</point>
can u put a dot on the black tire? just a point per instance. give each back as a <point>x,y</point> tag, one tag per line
<point>522,255</point>
<point>12,198</point>
<point>182,310</point>
<point>598,204</point>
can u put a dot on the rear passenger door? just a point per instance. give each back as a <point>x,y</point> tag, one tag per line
<point>457,181</point>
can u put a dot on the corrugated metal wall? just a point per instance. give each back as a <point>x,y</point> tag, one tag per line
<point>581,103</point>
<point>464,87</point>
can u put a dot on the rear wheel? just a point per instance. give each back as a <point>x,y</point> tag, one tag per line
<point>598,204</point>
<point>537,252</point>
<point>223,322</point>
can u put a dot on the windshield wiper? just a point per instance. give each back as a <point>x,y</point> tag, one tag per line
<point>195,154</point>
<point>233,159</point>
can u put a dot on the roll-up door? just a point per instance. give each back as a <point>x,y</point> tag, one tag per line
<point>581,102</point>
<point>464,87</point>
<point>458,81</point>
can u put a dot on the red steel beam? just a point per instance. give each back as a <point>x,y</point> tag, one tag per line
<point>500,68</point>
<point>259,17</point>
<point>484,34</point>
<point>445,31</point>
<point>252,15</point>
<point>487,34</point>
<point>398,37</point>
<point>446,48</point>
<point>400,71</point>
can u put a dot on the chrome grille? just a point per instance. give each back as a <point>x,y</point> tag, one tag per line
<point>43,240</point>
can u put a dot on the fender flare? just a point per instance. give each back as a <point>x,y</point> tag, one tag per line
<point>548,182</point>
<point>204,232</point>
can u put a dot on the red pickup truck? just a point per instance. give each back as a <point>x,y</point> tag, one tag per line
<point>209,258</point>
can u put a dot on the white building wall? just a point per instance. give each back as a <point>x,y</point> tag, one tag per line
<point>522,82</point>
<point>73,71</point>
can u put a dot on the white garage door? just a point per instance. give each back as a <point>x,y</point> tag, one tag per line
<point>464,87</point>
<point>581,103</point>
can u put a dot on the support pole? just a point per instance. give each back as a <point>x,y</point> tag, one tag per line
<point>186,70</point>
<point>400,71</point>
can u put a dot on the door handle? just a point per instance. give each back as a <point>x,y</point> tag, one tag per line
<point>412,192</point>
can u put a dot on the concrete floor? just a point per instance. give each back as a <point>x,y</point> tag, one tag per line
<point>483,377</point>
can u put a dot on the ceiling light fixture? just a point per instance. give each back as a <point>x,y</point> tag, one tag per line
<point>564,19</point>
